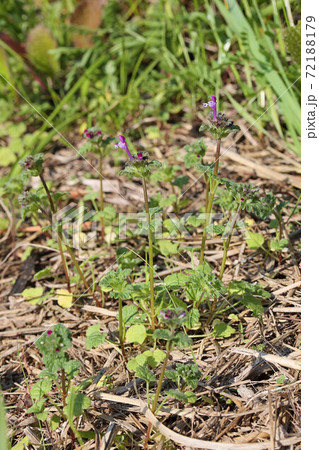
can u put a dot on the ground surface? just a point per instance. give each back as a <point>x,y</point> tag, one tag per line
<point>244,397</point>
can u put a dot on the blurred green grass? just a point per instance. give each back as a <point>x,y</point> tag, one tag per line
<point>147,59</point>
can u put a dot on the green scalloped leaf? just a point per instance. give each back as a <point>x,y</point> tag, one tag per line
<point>40,388</point>
<point>176,280</point>
<point>136,333</point>
<point>254,240</point>
<point>222,330</point>
<point>145,374</point>
<point>168,248</point>
<point>94,337</point>
<point>76,403</point>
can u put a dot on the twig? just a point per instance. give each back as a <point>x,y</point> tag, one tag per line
<point>282,361</point>
<point>184,440</point>
<point>287,288</point>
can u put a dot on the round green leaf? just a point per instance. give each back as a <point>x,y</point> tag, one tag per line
<point>136,334</point>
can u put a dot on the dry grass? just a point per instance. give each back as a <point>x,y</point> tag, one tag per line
<point>240,403</point>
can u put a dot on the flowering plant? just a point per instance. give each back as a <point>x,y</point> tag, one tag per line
<point>60,370</point>
<point>221,126</point>
<point>139,165</point>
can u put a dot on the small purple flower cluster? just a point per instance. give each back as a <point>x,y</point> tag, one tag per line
<point>172,314</point>
<point>221,121</point>
<point>141,156</point>
<point>212,104</point>
<point>32,164</point>
<point>28,162</point>
<point>221,125</point>
<point>122,144</point>
<point>166,314</point>
<point>90,134</point>
<point>57,350</point>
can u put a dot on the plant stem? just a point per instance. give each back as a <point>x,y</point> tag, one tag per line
<point>226,245</point>
<point>13,224</point>
<point>50,434</point>
<point>158,390</point>
<point>199,300</point>
<point>206,190</point>
<point>209,203</point>
<point>279,218</point>
<point>160,381</point>
<point>121,329</point>
<point>69,249</point>
<point>64,264</point>
<point>63,386</point>
<point>81,274</point>
<point>52,207</point>
<point>150,254</point>
<point>53,211</point>
<point>222,268</point>
<point>101,196</point>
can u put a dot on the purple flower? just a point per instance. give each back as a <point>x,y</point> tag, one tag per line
<point>57,350</point>
<point>49,332</point>
<point>166,314</point>
<point>172,314</point>
<point>212,104</point>
<point>91,133</point>
<point>242,199</point>
<point>28,162</point>
<point>140,156</point>
<point>122,144</point>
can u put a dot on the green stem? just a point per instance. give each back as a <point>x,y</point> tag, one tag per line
<point>53,211</point>
<point>150,254</point>
<point>76,432</point>
<point>60,240</point>
<point>63,387</point>
<point>207,182</point>
<point>52,207</point>
<point>227,244</point>
<point>60,411</point>
<point>209,203</point>
<point>13,225</point>
<point>64,264</point>
<point>74,260</point>
<point>279,218</point>
<point>101,196</point>
<point>148,393</point>
<point>271,255</point>
<point>160,381</point>
<point>121,329</point>
<point>199,300</point>
<point>222,268</point>
<point>158,390</point>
